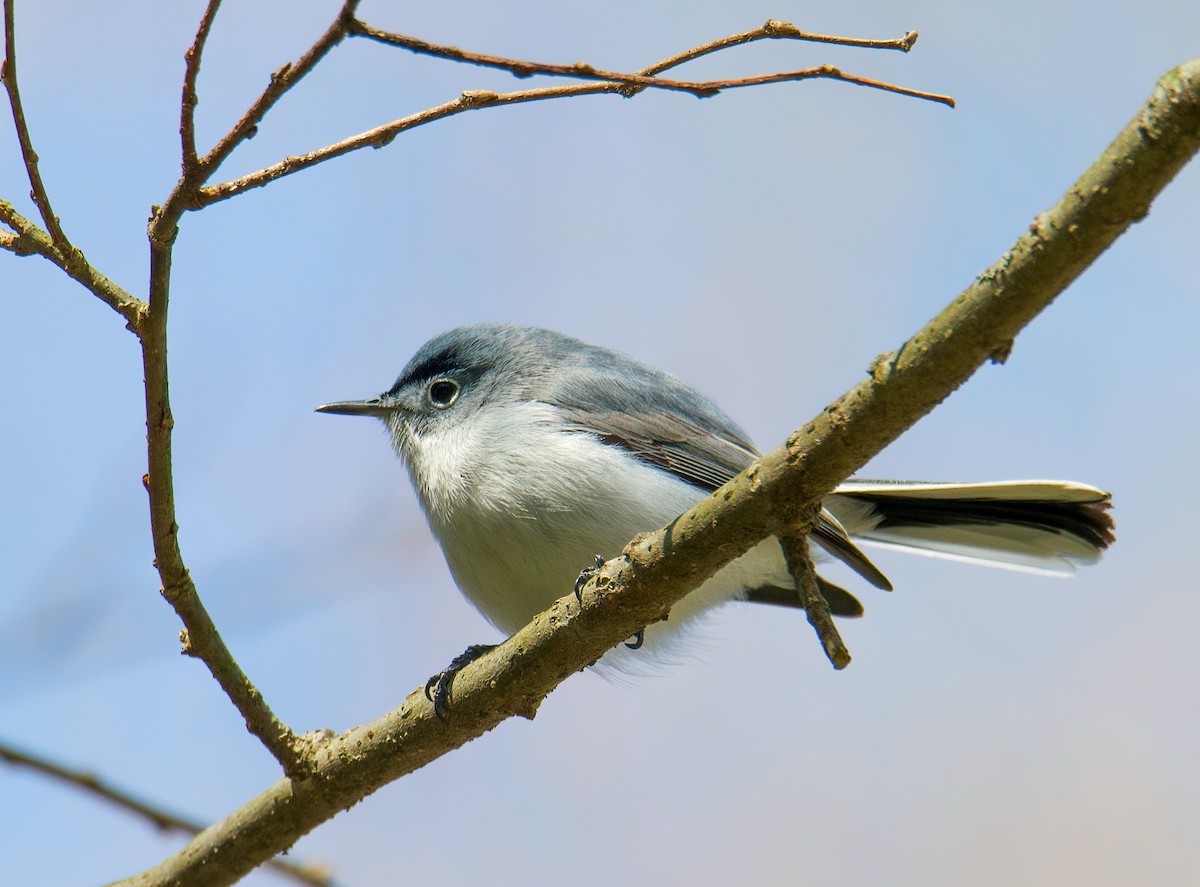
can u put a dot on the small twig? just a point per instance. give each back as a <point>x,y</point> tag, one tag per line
<point>605,82</point>
<point>51,243</point>
<point>382,136</point>
<point>318,876</point>
<point>707,88</point>
<point>776,30</point>
<point>202,640</point>
<point>8,73</point>
<point>200,636</point>
<point>30,240</point>
<point>187,107</point>
<point>800,565</point>
<point>700,89</point>
<point>281,81</point>
<point>772,30</point>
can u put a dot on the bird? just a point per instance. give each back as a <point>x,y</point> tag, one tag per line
<point>533,453</point>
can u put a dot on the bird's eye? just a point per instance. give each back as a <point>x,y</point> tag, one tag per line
<point>443,393</point>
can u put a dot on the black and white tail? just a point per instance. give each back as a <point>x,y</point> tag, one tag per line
<point>1038,526</point>
<point>1049,527</point>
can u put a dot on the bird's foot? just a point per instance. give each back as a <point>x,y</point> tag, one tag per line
<point>584,575</point>
<point>437,688</point>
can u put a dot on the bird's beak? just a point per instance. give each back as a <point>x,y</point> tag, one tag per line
<point>374,407</point>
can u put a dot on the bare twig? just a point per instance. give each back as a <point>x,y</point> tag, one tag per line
<point>773,495</point>
<point>200,636</point>
<point>187,107</point>
<point>772,30</point>
<point>706,88</point>
<point>8,73</point>
<point>782,31</point>
<point>281,81</point>
<point>52,243</point>
<point>606,82</point>
<point>317,876</point>
<point>800,565</point>
<point>32,240</point>
<point>381,136</point>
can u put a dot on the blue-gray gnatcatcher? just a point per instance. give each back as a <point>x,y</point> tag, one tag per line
<point>533,452</point>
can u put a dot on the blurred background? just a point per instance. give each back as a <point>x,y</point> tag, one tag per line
<point>994,728</point>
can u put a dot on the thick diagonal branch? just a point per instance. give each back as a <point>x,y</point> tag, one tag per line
<point>772,496</point>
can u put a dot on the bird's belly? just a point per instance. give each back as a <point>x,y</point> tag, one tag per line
<point>511,569</point>
<point>517,539</point>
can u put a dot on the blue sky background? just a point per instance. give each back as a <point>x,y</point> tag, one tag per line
<point>765,245</point>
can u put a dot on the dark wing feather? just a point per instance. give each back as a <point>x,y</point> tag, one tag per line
<point>669,442</point>
<point>681,430</point>
<point>840,601</point>
<point>831,536</point>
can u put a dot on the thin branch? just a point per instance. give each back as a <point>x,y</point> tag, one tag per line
<point>200,636</point>
<point>31,240</point>
<point>706,88</point>
<point>381,136</point>
<point>317,876</point>
<point>800,565</point>
<point>606,82</point>
<point>773,496</point>
<point>771,30</point>
<point>50,243</point>
<point>281,81</point>
<point>777,30</point>
<point>8,73</point>
<point>187,106</point>
<point>700,89</point>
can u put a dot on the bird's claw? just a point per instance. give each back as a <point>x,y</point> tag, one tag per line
<point>587,573</point>
<point>437,688</point>
<point>584,575</point>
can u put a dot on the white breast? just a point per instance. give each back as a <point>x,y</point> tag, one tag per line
<point>520,507</point>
